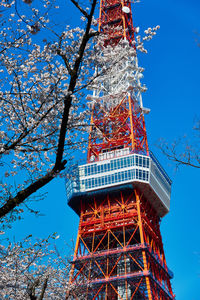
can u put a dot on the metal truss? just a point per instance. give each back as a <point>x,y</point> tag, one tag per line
<point>117,117</point>
<point>119,252</point>
<point>122,125</point>
<point>115,21</point>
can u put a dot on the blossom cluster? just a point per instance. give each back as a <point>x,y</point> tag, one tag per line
<point>36,66</point>
<point>36,270</point>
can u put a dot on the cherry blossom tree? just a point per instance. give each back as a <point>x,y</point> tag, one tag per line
<point>36,271</point>
<point>43,71</point>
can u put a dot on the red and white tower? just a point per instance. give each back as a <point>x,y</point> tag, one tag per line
<point>122,192</point>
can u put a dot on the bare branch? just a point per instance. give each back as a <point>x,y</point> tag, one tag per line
<point>181,153</point>
<point>81,9</point>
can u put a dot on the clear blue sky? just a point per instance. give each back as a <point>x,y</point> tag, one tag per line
<point>172,69</point>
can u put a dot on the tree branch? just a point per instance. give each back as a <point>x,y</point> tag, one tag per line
<point>44,286</point>
<point>32,188</point>
<point>59,162</point>
<point>59,52</point>
<point>81,9</point>
<point>187,157</point>
<point>72,85</point>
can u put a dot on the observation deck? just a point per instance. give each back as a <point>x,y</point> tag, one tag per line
<point>119,170</point>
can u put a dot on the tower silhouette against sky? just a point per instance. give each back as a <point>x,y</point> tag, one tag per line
<point>122,192</point>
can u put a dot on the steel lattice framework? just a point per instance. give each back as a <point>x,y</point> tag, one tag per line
<point>119,248</point>
<point>121,126</point>
<point>114,23</point>
<point>119,252</point>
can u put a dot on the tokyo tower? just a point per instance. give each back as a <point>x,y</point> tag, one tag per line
<point>122,192</point>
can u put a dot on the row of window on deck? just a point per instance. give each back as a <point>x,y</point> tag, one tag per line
<point>114,164</point>
<point>118,177</point>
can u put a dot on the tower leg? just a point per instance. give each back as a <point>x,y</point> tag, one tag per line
<point>142,241</point>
